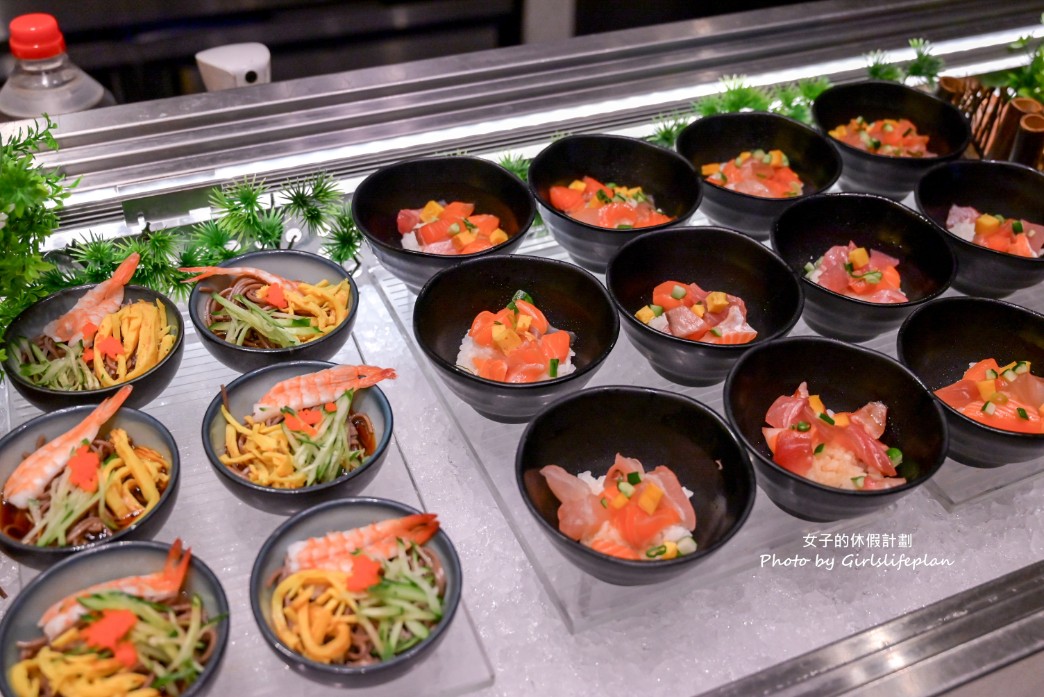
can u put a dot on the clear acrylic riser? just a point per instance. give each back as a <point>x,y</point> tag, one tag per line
<point>227,534</point>
<point>583,600</point>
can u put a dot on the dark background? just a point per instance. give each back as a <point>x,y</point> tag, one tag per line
<point>144,49</point>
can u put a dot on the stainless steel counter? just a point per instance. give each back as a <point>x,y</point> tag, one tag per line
<point>545,628</point>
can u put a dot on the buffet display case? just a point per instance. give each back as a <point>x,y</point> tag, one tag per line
<point>924,596</point>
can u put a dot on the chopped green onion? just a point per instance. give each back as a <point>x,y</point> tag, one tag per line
<point>552,367</point>
<point>624,226</point>
<point>678,292</point>
<point>1016,226</point>
<point>888,128</point>
<point>634,478</point>
<point>1022,367</point>
<point>849,268</point>
<point>990,408</point>
<point>715,331</point>
<point>801,426</point>
<point>522,295</point>
<point>758,154</point>
<point>809,268</point>
<point>908,131</point>
<point>686,545</point>
<point>991,374</point>
<point>895,455</point>
<point>1009,375</point>
<point>604,502</point>
<point>1022,413</point>
<point>786,160</point>
<point>739,161</point>
<point>657,310</point>
<point>602,196</point>
<point>453,229</point>
<point>858,481</point>
<point>626,488</point>
<point>469,225</point>
<point>826,417</point>
<point>819,448</point>
<point>656,552</point>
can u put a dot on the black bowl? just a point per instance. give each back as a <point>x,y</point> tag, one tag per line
<point>715,259</point>
<point>948,131</point>
<point>95,566</point>
<point>244,392</point>
<point>938,342</point>
<point>142,428</point>
<point>723,137</point>
<point>147,387</point>
<point>346,514</point>
<point>810,227</point>
<point>290,264</point>
<point>412,183</point>
<point>571,298</point>
<point>1006,188</point>
<point>664,175</point>
<point>847,377</point>
<point>583,432</point>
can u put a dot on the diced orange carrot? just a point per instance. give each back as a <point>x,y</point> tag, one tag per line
<point>365,573</point>
<point>89,329</point>
<point>276,297</point>
<point>110,346</point>
<point>109,630</point>
<point>88,354</point>
<point>83,469</point>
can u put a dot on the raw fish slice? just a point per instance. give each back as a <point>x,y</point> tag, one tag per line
<point>886,295</point>
<point>685,323</point>
<point>1028,389</point>
<point>794,451</point>
<point>853,438</point>
<point>623,466</point>
<point>1034,235</point>
<point>608,540</point>
<point>580,514</point>
<point>832,273</point>
<point>734,329</point>
<point>443,247</point>
<point>640,529</point>
<point>787,411</point>
<point>672,488</point>
<point>878,260</point>
<point>961,214</point>
<point>872,416</point>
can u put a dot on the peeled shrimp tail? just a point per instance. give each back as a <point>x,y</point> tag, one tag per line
<point>377,540</point>
<point>324,386</point>
<point>101,300</point>
<point>31,477</point>
<point>205,272</point>
<point>155,587</point>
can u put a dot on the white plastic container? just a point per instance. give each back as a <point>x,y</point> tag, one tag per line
<point>44,79</point>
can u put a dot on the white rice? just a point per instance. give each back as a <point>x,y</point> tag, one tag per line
<point>409,241</point>
<point>661,324</point>
<point>469,351</point>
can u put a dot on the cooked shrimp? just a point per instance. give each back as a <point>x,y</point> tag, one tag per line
<point>101,300</point>
<point>334,552</point>
<point>237,271</point>
<point>154,587</point>
<point>318,388</point>
<point>31,477</point>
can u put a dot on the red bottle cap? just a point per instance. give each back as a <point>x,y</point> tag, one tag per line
<point>36,36</point>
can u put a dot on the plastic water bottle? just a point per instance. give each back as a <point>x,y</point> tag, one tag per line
<point>44,79</point>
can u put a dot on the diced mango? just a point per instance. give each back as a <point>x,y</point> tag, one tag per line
<point>505,338</point>
<point>463,239</point>
<point>985,224</point>
<point>672,550</point>
<point>650,498</point>
<point>645,314</point>
<point>776,158</point>
<point>709,169</point>
<point>816,403</point>
<point>498,236</point>
<point>858,257</point>
<point>716,301</point>
<point>577,185</point>
<point>841,420</point>
<point>431,211</point>
<point>523,322</point>
<point>744,156</point>
<point>839,132</point>
<point>699,309</point>
<point>986,388</point>
<point>619,501</point>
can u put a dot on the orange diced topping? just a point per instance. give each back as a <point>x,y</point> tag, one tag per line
<point>110,346</point>
<point>83,467</point>
<point>365,573</point>
<point>89,329</point>
<point>108,633</point>
<point>275,296</point>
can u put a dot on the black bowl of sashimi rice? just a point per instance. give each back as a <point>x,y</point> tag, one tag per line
<point>836,430</point>
<point>634,485</point>
<point>509,335</point>
<point>289,436</point>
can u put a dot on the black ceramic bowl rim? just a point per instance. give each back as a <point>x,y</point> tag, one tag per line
<point>872,157</point>
<point>276,353</point>
<point>680,341</point>
<point>873,493</point>
<point>451,601</point>
<point>523,225</point>
<point>743,196</point>
<point>947,408</point>
<point>521,386</point>
<point>172,483</point>
<point>172,311</point>
<point>943,287</point>
<point>213,412</point>
<point>683,217</point>
<point>744,462</point>
<point>1028,262</point>
<point>196,565</point>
